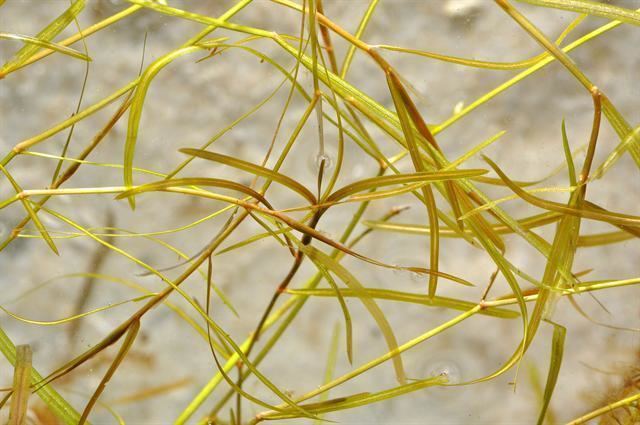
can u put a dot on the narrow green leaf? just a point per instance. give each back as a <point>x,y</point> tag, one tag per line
<point>47,34</point>
<point>361,399</point>
<point>406,297</point>
<point>135,113</point>
<point>489,64</point>
<point>366,18</point>
<point>407,129</point>
<point>603,10</point>
<point>614,116</point>
<point>48,44</point>
<point>129,339</point>
<point>253,169</point>
<point>569,158</point>
<point>607,217</point>
<point>531,222</point>
<point>610,407</point>
<point>58,405</point>
<point>382,181</point>
<point>29,209</point>
<point>557,350</point>
<point>375,311</point>
<point>195,181</point>
<point>343,306</point>
<point>21,386</point>
<point>381,359</point>
<point>504,66</point>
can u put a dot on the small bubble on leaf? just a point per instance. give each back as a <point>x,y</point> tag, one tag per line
<point>321,159</point>
<point>446,369</point>
<point>418,277</point>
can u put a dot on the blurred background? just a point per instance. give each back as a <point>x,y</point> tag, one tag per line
<point>190,102</point>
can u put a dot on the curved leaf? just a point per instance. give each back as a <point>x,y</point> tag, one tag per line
<point>419,177</point>
<point>135,113</point>
<point>194,181</point>
<point>253,169</point>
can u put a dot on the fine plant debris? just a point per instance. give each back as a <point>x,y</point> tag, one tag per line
<point>272,213</point>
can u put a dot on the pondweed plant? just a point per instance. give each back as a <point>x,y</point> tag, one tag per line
<point>382,174</point>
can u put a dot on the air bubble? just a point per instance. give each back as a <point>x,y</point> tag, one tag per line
<point>397,271</point>
<point>458,108</point>
<point>317,161</point>
<point>462,8</point>
<point>418,277</point>
<point>324,159</point>
<point>446,369</point>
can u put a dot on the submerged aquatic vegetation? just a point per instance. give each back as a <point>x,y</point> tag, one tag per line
<point>275,243</point>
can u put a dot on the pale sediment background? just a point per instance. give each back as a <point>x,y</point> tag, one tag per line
<point>189,102</point>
